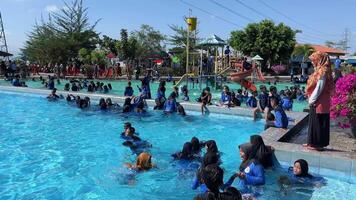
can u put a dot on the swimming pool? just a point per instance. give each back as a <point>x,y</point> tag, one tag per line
<point>50,150</point>
<point>194,92</point>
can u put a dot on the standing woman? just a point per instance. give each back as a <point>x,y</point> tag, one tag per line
<point>319,89</point>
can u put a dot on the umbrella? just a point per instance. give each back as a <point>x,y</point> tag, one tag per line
<point>257,57</point>
<point>212,40</point>
<point>5,54</point>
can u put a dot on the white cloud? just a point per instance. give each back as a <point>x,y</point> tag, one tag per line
<point>52,8</point>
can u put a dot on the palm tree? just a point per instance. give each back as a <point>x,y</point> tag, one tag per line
<point>303,50</point>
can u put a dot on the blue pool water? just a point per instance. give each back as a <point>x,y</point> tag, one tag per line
<point>50,150</point>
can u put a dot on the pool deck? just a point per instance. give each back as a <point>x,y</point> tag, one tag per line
<point>340,156</point>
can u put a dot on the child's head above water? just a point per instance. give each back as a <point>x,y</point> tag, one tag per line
<point>301,168</point>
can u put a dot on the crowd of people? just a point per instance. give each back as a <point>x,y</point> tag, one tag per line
<point>255,156</point>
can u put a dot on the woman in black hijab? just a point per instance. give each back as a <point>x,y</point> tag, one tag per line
<point>211,147</point>
<point>186,153</point>
<point>261,152</point>
<point>195,145</point>
<point>208,159</point>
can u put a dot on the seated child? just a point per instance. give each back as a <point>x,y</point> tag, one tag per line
<point>281,119</point>
<point>170,106</point>
<point>287,102</point>
<point>225,99</point>
<point>252,101</point>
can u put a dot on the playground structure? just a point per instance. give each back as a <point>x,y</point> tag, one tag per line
<point>223,65</point>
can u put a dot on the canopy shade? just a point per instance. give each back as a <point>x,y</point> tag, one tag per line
<point>5,54</point>
<point>257,57</point>
<point>212,40</point>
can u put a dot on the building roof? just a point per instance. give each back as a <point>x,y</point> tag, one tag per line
<point>5,54</point>
<point>328,50</point>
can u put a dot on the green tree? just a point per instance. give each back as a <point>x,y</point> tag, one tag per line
<point>124,42</point>
<point>61,38</point>
<point>149,41</point>
<point>98,56</point>
<point>108,44</point>
<point>274,43</point>
<point>303,50</point>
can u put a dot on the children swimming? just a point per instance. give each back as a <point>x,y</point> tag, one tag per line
<point>225,99</point>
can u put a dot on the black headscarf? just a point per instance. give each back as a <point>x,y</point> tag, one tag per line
<point>186,151</point>
<point>208,159</point>
<point>212,148</point>
<point>260,152</point>
<point>304,167</point>
<point>195,145</point>
<point>246,148</point>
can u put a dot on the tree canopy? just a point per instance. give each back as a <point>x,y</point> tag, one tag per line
<point>61,37</point>
<point>303,50</point>
<point>274,43</point>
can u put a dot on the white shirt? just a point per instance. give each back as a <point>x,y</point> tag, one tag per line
<point>317,90</point>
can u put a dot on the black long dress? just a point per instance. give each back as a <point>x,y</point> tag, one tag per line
<point>319,128</point>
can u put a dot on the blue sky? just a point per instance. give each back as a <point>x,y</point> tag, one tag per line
<point>319,20</point>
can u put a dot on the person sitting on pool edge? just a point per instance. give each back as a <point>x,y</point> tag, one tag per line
<point>281,119</point>
<point>225,99</point>
<point>205,99</point>
<point>128,90</point>
<point>287,101</point>
<point>143,163</point>
<point>262,101</point>
<point>252,101</point>
<point>170,106</point>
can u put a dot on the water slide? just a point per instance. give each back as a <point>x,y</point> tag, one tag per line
<point>239,77</point>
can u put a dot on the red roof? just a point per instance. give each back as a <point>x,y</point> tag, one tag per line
<point>328,50</point>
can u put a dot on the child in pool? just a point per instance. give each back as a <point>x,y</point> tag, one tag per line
<point>180,110</point>
<point>143,163</point>
<point>185,154</point>
<point>128,90</point>
<point>53,95</point>
<point>299,175</point>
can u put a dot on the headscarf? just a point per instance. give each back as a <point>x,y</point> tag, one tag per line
<point>210,158</point>
<point>195,144</point>
<point>322,67</point>
<point>304,168</point>
<point>186,151</point>
<point>258,148</point>
<point>143,161</point>
<point>211,144</point>
<point>246,148</point>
